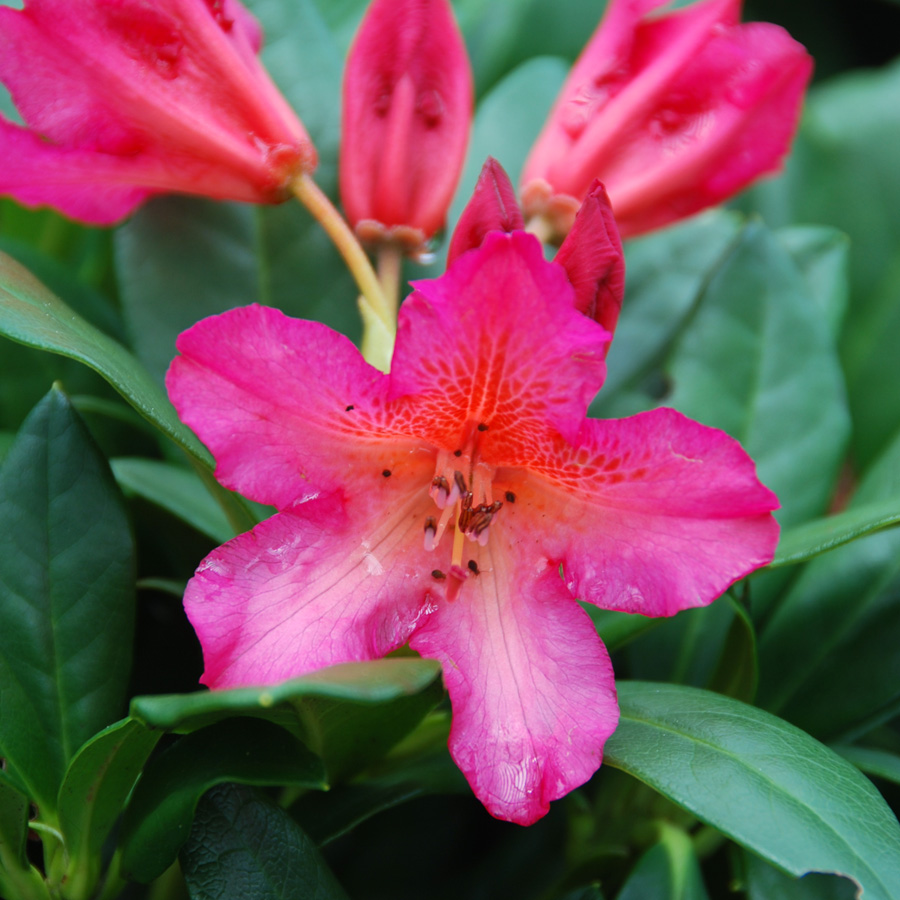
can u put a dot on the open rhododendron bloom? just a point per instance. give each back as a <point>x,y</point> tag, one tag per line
<point>673,112</point>
<point>460,504</point>
<point>124,99</point>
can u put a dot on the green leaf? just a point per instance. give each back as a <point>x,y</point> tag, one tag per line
<point>807,541</point>
<point>93,795</point>
<point>175,489</point>
<point>879,763</point>
<point>822,255</point>
<point>757,361</point>
<point>349,714</point>
<point>67,591</point>
<point>668,869</point>
<point>31,315</point>
<point>759,780</point>
<point>737,672</point>
<point>18,878</point>
<point>765,882</point>
<point>242,845</point>
<point>616,629</point>
<point>668,273</point>
<point>158,818</point>
<point>830,654</point>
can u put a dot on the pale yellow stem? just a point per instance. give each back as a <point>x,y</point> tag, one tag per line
<point>322,209</point>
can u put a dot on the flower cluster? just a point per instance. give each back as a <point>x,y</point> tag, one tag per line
<point>463,502</point>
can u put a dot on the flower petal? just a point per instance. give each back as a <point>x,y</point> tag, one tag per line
<point>287,407</point>
<point>492,207</point>
<point>327,582</point>
<point>530,682</point>
<point>651,514</point>
<point>496,344</point>
<point>593,259</point>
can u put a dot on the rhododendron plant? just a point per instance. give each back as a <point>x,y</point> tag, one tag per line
<point>673,112</point>
<point>406,117</point>
<point>435,506</point>
<point>124,99</point>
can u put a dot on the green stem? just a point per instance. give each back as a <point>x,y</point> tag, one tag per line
<point>323,211</point>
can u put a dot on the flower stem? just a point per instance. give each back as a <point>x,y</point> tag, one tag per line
<point>322,209</point>
<point>379,334</point>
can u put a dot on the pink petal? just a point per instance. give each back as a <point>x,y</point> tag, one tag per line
<point>173,90</point>
<point>287,407</point>
<point>530,682</point>
<point>493,207</point>
<point>81,183</point>
<point>327,582</point>
<point>406,115</point>
<point>496,346</point>
<point>651,514</point>
<point>593,259</point>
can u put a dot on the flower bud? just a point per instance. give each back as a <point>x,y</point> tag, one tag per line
<point>673,113</point>
<point>406,117</point>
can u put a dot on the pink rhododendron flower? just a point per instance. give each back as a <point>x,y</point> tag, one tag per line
<point>406,116</point>
<point>437,504</point>
<point>672,112</point>
<point>124,99</point>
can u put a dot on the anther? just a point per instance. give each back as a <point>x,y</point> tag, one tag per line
<point>440,490</point>
<point>510,497</point>
<point>460,482</point>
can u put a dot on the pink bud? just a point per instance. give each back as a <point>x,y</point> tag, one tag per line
<point>673,112</point>
<point>592,256</point>
<point>493,207</point>
<point>406,117</point>
<point>124,99</point>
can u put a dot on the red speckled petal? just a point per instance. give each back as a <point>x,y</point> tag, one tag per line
<point>530,682</point>
<point>496,342</point>
<point>287,407</point>
<point>651,514</point>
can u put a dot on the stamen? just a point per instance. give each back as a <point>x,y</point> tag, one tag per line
<point>440,491</point>
<point>430,532</point>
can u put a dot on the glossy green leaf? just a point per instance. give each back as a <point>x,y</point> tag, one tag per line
<point>18,878</point>
<point>668,869</point>
<point>617,628</point>
<point>250,751</point>
<point>67,592</point>
<point>879,763</point>
<point>31,315</point>
<point>765,882</point>
<point>175,489</point>
<point>327,816</point>
<point>93,795</point>
<point>349,714</point>
<point>737,672</point>
<point>807,541</point>
<point>242,845</point>
<point>822,256</point>
<point>667,274</point>
<point>761,781</point>
<point>830,654</point>
<point>757,360</point>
